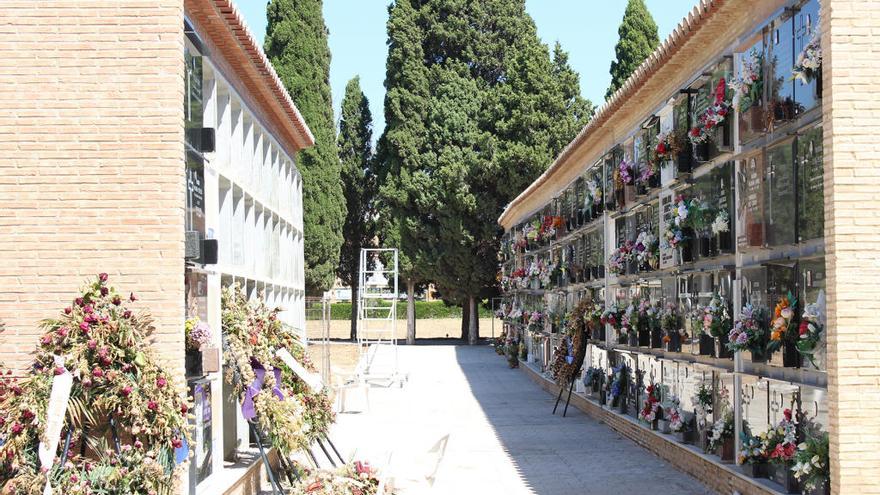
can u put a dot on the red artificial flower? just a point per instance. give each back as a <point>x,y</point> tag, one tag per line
<point>116,301</point>
<point>46,340</point>
<point>138,444</point>
<point>132,297</point>
<point>67,310</point>
<point>127,314</point>
<point>176,443</point>
<point>59,370</point>
<point>16,428</point>
<point>804,328</point>
<point>102,277</point>
<point>87,309</point>
<point>183,409</point>
<point>787,414</point>
<point>152,405</point>
<point>104,291</point>
<point>78,301</point>
<point>97,372</point>
<point>126,391</point>
<point>661,149</point>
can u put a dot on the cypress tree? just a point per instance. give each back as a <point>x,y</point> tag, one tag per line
<point>358,180</point>
<point>475,109</point>
<point>296,44</point>
<point>638,39</point>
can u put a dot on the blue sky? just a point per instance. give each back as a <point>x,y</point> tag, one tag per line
<point>587,29</point>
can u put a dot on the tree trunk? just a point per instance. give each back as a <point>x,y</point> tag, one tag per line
<point>354,311</point>
<point>473,331</point>
<point>465,321</point>
<point>410,312</point>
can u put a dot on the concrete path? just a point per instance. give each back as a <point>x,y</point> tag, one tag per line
<point>502,438</point>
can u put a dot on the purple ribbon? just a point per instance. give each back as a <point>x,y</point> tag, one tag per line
<point>247,406</point>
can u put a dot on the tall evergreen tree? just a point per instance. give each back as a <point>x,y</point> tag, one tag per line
<point>475,110</point>
<point>638,39</point>
<point>296,44</point>
<point>358,180</point>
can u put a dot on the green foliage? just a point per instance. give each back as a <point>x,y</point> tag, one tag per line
<point>356,153</point>
<point>425,310</point>
<point>638,39</point>
<point>296,44</point>
<point>476,109</point>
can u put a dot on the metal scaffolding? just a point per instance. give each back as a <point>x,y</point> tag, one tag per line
<point>377,315</point>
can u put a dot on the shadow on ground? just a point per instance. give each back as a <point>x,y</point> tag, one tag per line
<point>555,455</point>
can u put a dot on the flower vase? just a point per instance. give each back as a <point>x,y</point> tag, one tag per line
<point>622,338</point>
<point>601,271</point>
<point>632,267</point>
<point>684,160</point>
<point>193,363</point>
<point>701,151</point>
<point>663,426</point>
<point>620,197</point>
<point>723,242</point>
<point>703,440</point>
<point>707,345</point>
<point>674,343</point>
<point>656,338</point>
<point>644,337</point>
<point>632,339</point>
<point>781,474</point>
<point>726,450</point>
<point>600,333</point>
<point>721,349</point>
<point>654,181</point>
<point>703,247</point>
<point>655,425</point>
<point>685,436</point>
<point>754,470</point>
<point>758,355</point>
<point>641,190</point>
<point>787,356</point>
<point>594,386</point>
<point>603,397</point>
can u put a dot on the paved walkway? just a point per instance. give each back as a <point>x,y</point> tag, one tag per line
<point>502,438</point>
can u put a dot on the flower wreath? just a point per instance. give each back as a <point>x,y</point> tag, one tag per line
<point>565,372</point>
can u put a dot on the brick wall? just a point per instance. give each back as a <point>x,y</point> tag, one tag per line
<point>851,47</point>
<point>91,160</point>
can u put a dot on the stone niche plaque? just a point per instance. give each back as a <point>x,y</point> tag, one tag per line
<point>811,198</point>
<point>750,211</point>
<point>779,195</point>
<point>667,254</point>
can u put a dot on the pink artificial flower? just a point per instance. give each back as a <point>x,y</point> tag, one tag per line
<point>78,301</point>
<point>102,277</point>
<point>97,372</point>
<point>62,332</point>
<point>59,370</point>
<point>152,405</point>
<point>104,291</point>
<point>87,309</point>
<point>161,382</point>
<point>126,391</point>
<point>68,310</point>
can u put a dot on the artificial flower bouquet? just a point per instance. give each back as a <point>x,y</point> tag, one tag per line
<point>645,251</point>
<point>810,332</point>
<point>716,317</point>
<point>720,439</point>
<point>619,381</point>
<point>748,88</point>
<point>809,61</point>
<point>749,333</point>
<point>619,258</point>
<point>811,462</point>
<point>651,410</point>
<point>713,117</point>
<point>784,332</point>
<point>667,149</point>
